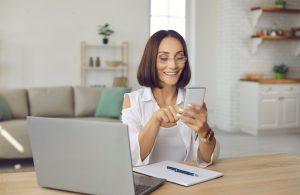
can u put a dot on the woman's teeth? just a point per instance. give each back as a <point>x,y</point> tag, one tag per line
<point>170,73</point>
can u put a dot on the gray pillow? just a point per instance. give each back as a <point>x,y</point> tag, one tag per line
<point>51,101</point>
<point>16,99</point>
<point>86,100</point>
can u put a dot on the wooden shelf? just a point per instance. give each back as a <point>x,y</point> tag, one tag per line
<point>265,37</point>
<point>257,41</point>
<point>105,68</point>
<point>104,75</point>
<point>276,9</point>
<point>273,81</point>
<point>257,13</point>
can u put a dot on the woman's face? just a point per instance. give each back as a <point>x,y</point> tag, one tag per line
<point>170,61</point>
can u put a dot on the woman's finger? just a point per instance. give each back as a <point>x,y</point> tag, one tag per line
<point>190,113</point>
<point>174,112</point>
<point>169,114</point>
<point>187,119</point>
<point>194,107</point>
<point>163,116</point>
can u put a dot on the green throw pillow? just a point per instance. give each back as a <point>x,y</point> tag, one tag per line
<point>5,112</point>
<point>110,102</point>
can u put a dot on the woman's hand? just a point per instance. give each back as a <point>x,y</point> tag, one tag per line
<point>195,117</point>
<point>166,116</point>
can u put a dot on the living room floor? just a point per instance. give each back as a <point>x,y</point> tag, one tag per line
<point>242,144</point>
<point>232,145</point>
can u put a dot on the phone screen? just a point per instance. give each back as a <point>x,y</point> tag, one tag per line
<point>194,95</point>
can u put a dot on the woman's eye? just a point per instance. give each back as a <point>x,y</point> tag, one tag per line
<point>164,59</point>
<point>180,58</point>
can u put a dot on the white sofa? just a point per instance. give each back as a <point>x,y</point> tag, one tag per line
<point>65,101</point>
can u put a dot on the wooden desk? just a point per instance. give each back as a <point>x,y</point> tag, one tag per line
<point>268,174</point>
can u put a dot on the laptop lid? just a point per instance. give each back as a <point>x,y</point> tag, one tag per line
<point>82,155</point>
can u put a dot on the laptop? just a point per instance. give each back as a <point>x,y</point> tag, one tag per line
<point>85,156</point>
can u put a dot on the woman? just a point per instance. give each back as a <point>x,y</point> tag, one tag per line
<point>159,128</point>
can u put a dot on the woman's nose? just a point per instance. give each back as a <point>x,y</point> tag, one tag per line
<point>172,62</point>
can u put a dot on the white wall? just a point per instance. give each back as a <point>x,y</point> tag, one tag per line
<point>40,39</point>
<point>205,51</point>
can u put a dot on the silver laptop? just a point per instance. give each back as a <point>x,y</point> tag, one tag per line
<point>90,157</point>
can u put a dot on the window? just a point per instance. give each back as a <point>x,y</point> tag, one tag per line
<point>168,14</point>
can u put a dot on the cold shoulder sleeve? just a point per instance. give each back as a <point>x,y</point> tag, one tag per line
<point>132,117</point>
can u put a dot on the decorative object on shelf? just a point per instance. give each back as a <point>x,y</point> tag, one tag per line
<point>113,63</point>
<point>105,31</point>
<point>253,75</point>
<point>120,82</point>
<point>273,31</point>
<point>280,3</point>
<point>287,33</point>
<point>280,71</point>
<point>295,32</point>
<point>91,62</point>
<point>98,62</point>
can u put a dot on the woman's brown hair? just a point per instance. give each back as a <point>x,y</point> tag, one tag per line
<point>147,74</point>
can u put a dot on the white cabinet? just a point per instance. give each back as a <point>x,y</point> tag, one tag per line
<point>290,111</point>
<point>102,73</point>
<point>269,107</point>
<point>269,113</point>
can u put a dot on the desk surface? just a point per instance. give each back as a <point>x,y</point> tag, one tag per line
<point>267,174</point>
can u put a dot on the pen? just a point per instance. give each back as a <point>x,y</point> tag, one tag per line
<point>182,171</point>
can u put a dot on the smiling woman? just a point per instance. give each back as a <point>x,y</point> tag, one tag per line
<point>169,68</point>
<point>159,127</point>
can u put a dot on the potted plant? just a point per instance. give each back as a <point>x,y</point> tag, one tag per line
<point>280,71</point>
<point>280,3</point>
<point>105,31</point>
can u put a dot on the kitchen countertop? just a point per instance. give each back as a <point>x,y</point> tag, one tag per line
<point>273,81</point>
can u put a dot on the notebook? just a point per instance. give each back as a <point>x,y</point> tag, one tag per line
<point>160,170</point>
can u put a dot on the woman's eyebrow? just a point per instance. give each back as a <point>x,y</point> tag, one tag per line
<point>179,52</point>
<point>165,52</point>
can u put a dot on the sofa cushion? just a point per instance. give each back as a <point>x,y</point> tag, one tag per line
<point>5,113</point>
<point>16,99</point>
<point>51,101</point>
<point>86,100</point>
<point>110,102</point>
<point>18,129</point>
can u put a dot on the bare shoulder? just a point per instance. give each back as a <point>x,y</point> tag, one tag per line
<point>126,102</point>
<point>132,98</point>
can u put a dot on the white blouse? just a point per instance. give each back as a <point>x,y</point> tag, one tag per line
<point>168,141</point>
<point>143,104</point>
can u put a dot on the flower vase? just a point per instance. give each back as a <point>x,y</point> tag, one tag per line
<point>105,41</point>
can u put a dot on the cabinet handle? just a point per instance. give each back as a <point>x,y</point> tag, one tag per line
<point>281,98</point>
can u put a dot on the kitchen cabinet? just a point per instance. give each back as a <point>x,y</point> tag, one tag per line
<point>257,40</point>
<point>269,107</point>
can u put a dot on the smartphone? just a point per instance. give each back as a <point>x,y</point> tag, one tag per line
<point>194,95</point>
